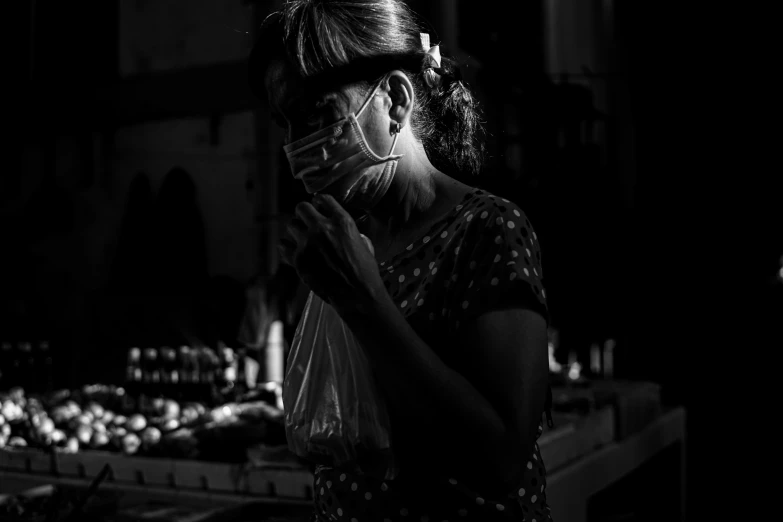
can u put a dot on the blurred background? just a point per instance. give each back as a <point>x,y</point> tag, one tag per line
<point>144,189</point>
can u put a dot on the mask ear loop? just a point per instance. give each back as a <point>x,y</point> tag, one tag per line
<point>366,103</point>
<point>370,97</point>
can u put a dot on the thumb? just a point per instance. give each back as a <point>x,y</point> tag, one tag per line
<point>368,243</point>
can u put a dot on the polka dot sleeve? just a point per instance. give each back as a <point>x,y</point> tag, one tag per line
<point>499,264</point>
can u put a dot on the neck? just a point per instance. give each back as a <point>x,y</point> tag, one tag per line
<point>411,194</point>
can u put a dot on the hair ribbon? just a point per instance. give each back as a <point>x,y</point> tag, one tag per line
<point>432,78</point>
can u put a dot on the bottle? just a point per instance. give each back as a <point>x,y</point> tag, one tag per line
<point>574,368</point>
<point>169,376</point>
<point>609,347</point>
<point>185,371</point>
<point>242,367</point>
<point>209,366</point>
<point>184,366</point>
<point>251,368</point>
<point>133,374</point>
<point>228,370</point>
<point>271,379</point>
<point>133,381</point>
<point>151,376</point>
<point>163,365</point>
<point>195,374</point>
<point>150,367</point>
<point>195,366</point>
<point>274,354</point>
<point>168,365</point>
<point>200,362</point>
<point>595,360</point>
<point>204,374</point>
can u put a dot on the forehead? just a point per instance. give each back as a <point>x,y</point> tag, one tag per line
<point>286,89</point>
<point>283,86</point>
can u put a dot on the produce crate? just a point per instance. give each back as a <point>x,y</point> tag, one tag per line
<point>85,464</point>
<point>143,471</point>
<point>28,460</point>
<point>576,439</point>
<point>636,404</point>
<point>209,476</point>
<point>280,483</point>
<point>273,482</point>
<point>133,470</point>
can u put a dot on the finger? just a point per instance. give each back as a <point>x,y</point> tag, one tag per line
<point>296,232</point>
<point>307,213</point>
<point>329,206</point>
<point>297,223</point>
<point>286,253</point>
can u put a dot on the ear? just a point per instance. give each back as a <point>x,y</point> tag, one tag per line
<point>401,95</point>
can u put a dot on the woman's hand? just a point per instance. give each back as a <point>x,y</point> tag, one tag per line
<point>325,247</point>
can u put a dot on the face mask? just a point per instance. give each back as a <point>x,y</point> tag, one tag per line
<point>338,157</point>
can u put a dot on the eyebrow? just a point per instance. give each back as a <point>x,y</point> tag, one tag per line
<point>303,105</point>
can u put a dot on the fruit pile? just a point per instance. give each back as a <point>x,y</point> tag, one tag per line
<point>101,418</point>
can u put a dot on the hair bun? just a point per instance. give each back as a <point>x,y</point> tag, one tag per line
<point>441,74</point>
<point>432,78</point>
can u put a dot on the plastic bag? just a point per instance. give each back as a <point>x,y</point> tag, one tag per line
<point>334,412</point>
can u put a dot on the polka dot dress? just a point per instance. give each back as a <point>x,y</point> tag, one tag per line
<point>484,254</point>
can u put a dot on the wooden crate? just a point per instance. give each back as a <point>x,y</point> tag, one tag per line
<point>280,483</point>
<point>209,476</point>
<point>69,465</point>
<point>565,444</point>
<point>28,460</point>
<point>84,464</point>
<point>143,471</point>
<point>636,404</point>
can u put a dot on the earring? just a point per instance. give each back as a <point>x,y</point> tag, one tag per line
<point>395,128</point>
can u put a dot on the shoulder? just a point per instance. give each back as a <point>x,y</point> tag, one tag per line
<point>498,256</point>
<point>493,219</point>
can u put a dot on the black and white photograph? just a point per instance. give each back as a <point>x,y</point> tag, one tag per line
<point>387,261</point>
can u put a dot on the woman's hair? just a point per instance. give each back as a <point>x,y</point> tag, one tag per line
<point>339,42</point>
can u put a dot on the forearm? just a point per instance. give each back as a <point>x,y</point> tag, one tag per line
<point>451,414</point>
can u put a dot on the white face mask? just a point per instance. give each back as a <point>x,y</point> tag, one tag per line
<point>339,157</point>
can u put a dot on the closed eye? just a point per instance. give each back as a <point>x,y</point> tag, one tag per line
<point>313,119</point>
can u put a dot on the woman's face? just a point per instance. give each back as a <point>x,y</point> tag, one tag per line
<point>300,112</point>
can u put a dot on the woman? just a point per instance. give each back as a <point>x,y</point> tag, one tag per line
<point>450,308</point>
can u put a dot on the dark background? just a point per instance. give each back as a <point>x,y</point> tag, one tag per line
<point>664,232</point>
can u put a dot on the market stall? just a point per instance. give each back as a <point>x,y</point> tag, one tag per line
<point>200,432</point>
<point>604,430</point>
